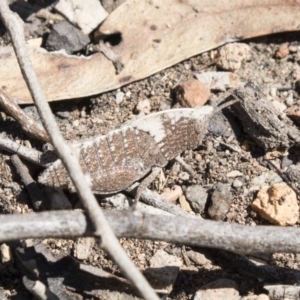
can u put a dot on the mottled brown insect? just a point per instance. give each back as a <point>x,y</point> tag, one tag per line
<point>113,162</point>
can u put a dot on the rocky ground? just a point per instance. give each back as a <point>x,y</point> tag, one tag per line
<point>227,181</point>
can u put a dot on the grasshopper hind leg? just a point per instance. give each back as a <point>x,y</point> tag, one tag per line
<point>144,184</point>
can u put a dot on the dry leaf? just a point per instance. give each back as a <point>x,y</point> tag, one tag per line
<point>154,35</point>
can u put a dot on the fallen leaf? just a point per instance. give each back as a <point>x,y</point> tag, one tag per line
<point>161,34</point>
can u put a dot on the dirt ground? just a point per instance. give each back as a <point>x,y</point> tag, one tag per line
<point>93,116</point>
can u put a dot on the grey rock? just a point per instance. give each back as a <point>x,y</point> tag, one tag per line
<point>65,36</point>
<point>197,197</point>
<point>218,125</point>
<point>221,201</point>
<point>198,258</point>
<point>63,114</point>
<point>221,289</point>
<point>286,162</point>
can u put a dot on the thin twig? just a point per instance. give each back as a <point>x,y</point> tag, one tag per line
<point>32,188</point>
<point>173,229</point>
<point>28,124</point>
<point>107,239</point>
<point>29,154</point>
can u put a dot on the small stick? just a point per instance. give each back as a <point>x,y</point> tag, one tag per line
<point>106,236</point>
<point>31,186</point>
<point>29,154</point>
<point>28,124</point>
<point>154,199</point>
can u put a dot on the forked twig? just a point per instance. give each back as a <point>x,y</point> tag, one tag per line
<point>107,239</point>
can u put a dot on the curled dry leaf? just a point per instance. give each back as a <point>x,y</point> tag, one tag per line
<point>161,34</point>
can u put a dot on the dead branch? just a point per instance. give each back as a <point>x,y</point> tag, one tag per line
<point>28,153</point>
<point>32,188</point>
<point>28,124</point>
<point>174,229</point>
<point>107,239</point>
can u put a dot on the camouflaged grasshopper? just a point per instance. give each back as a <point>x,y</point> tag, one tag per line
<point>113,162</point>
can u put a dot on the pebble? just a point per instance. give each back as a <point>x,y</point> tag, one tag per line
<point>197,197</point>
<point>289,100</point>
<point>87,14</point>
<point>277,204</point>
<point>282,51</point>
<point>83,247</point>
<point>144,106</point>
<point>172,194</point>
<point>184,176</point>
<point>66,36</point>
<point>286,162</point>
<point>221,201</point>
<point>221,289</point>
<point>192,93</point>
<point>218,125</point>
<point>184,204</point>
<point>163,271</point>
<point>5,254</point>
<point>234,174</point>
<point>63,114</point>
<point>231,56</point>
<point>237,183</point>
<point>119,97</point>
<point>198,258</point>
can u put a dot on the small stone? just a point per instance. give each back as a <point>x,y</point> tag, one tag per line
<point>221,289</point>
<point>234,174</point>
<point>282,51</point>
<point>63,114</point>
<point>197,197</point>
<point>172,194</point>
<point>198,258</point>
<point>286,162</point>
<point>218,125</point>
<point>83,247</point>
<point>144,106</point>
<point>221,201</point>
<point>184,176</point>
<point>289,100</point>
<point>237,183</point>
<point>163,271</point>
<point>192,93</point>
<point>293,48</point>
<point>198,157</point>
<point>65,36</point>
<point>184,204</point>
<point>119,97</point>
<point>277,204</point>
<point>5,254</point>
<point>231,56</point>
<point>34,43</point>
<point>87,14</point>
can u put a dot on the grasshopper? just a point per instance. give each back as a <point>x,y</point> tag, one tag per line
<point>141,147</point>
